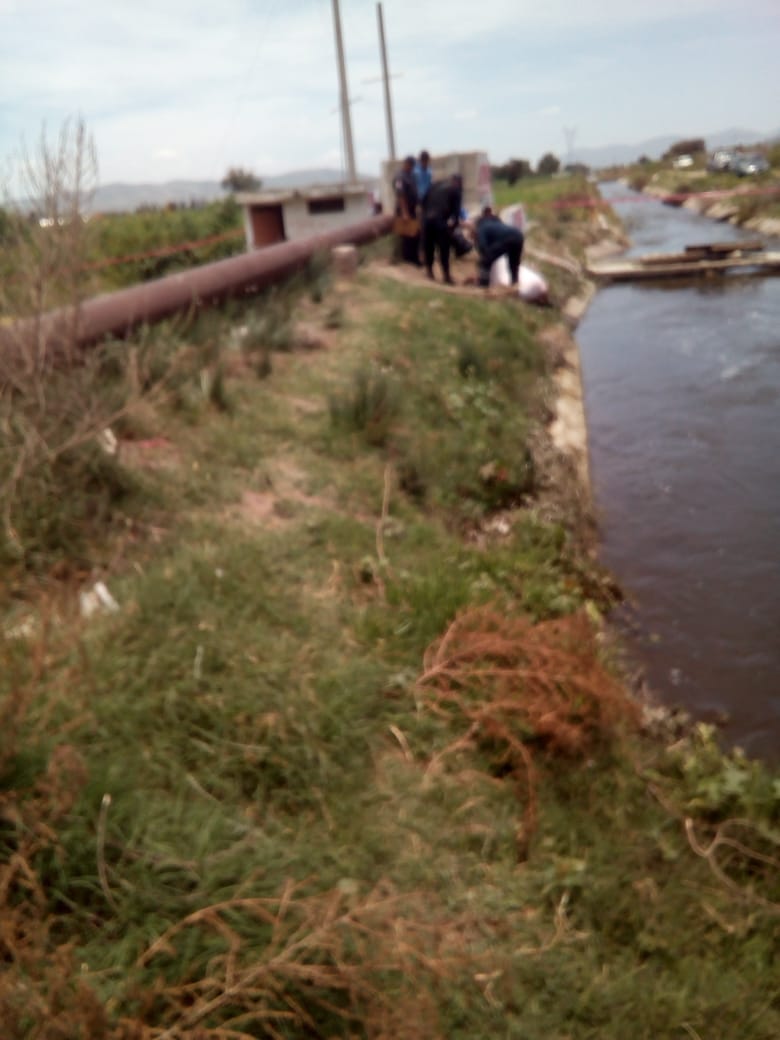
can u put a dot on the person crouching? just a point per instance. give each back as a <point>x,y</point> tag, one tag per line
<point>494,240</point>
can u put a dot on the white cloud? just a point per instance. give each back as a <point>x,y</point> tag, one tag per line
<point>189,87</point>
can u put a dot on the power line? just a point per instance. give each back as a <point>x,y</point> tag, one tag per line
<point>263,38</point>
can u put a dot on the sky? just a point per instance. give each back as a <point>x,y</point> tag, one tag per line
<point>185,89</point>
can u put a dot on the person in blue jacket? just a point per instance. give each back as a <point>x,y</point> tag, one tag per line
<point>423,176</point>
<point>496,239</point>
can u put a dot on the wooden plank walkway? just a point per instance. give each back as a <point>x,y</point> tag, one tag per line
<point>747,257</point>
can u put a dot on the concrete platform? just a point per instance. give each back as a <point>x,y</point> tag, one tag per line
<point>696,261</point>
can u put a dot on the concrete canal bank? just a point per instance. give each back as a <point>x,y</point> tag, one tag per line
<point>681,387</point>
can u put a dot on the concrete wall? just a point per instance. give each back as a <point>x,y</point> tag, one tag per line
<point>296,219</point>
<point>299,223</point>
<point>474,168</point>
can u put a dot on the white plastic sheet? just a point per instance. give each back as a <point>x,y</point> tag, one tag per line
<point>531,285</point>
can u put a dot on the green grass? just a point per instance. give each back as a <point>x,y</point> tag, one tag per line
<point>562,220</point>
<point>282,801</point>
<point>127,235</point>
<point>539,191</point>
<point>118,249</point>
<point>764,203</point>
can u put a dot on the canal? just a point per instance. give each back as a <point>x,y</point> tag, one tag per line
<point>682,393</point>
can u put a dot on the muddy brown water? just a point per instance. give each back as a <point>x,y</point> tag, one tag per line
<point>682,393</point>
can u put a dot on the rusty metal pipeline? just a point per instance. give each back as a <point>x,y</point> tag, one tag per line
<point>117,313</point>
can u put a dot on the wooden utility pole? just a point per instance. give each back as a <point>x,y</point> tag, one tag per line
<point>345,117</point>
<point>386,79</point>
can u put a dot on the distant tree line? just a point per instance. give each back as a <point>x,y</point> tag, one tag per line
<point>515,169</point>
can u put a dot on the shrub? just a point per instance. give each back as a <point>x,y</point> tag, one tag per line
<point>334,319</point>
<point>368,405</point>
<point>271,327</point>
<point>59,475</point>
<point>639,181</point>
<point>61,479</point>
<point>318,276</point>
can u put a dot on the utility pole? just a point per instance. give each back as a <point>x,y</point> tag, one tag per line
<point>386,79</point>
<point>345,118</point>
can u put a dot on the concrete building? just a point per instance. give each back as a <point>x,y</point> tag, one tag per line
<point>474,168</point>
<point>290,214</point>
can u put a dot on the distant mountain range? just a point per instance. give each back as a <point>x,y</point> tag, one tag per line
<point>654,147</point>
<point>120,197</point>
<point>115,198</point>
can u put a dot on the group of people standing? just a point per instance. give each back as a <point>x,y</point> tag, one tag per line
<point>428,218</point>
<point>427,213</point>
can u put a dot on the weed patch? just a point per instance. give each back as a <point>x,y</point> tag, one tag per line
<point>368,405</point>
<point>450,399</point>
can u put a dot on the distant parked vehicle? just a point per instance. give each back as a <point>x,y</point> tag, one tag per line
<point>750,165</point>
<point>683,162</point>
<point>721,160</point>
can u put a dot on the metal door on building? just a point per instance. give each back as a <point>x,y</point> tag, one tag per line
<point>267,226</point>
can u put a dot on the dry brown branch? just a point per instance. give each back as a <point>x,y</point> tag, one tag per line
<point>322,954</point>
<point>722,839</point>
<point>691,1031</point>
<point>101,851</point>
<point>403,742</point>
<point>380,527</point>
<point>517,685</point>
<point>39,994</point>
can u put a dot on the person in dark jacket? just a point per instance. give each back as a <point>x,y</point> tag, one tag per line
<point>496,239</point>
<point>405,187</point>
<point>441,213</point>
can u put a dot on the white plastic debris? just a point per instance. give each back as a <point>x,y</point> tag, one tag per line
<point>499,272</point>
<point>108,442</point>
<point>531,286</point>
<point>197,665</point>
<point>24,629</point>
<point>97,599</point>
<point>515,216</point>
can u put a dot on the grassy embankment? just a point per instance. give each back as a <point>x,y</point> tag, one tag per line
<point>349,759</point>
<point>745,199</point>
<point>558,222</point>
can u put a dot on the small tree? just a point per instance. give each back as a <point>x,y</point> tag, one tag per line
<point>239,179</point>
<point>688,146</point>
<point>59,473</point>
<point>512,171</point>
<point>548,164</point>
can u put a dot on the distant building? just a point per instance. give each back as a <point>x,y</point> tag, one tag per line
<point>289,214</point>
<point>474,168</point>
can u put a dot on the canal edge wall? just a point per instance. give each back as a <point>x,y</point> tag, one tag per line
<point>568,428</point>
<point>720,210</point>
